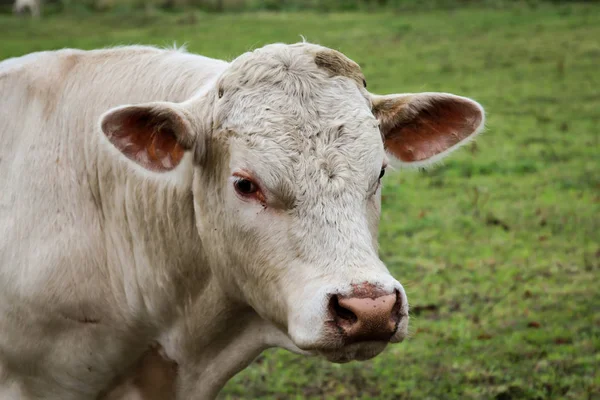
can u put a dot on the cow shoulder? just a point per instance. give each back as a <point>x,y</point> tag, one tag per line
<point>37,78</point>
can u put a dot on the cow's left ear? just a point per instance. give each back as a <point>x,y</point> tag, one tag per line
<point>422,128</point>
<point>154,135</point>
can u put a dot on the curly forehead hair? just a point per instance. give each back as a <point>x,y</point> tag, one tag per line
<point>296,69</point>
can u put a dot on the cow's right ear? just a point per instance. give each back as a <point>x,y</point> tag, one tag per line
<point>154,135</point>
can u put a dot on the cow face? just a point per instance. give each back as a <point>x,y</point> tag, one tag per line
<point>289,153</point>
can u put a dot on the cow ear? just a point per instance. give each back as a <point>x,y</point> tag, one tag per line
<point>154,135</point>
<point>419,129</point>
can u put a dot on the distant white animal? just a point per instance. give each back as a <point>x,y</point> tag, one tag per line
<point>33,6</point>
<point>207,209</point>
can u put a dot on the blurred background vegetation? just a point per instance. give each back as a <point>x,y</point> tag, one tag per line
<point>498,247</point>
<point>273,5</point>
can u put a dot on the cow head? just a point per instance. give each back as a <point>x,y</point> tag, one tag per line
<point>288,150</point>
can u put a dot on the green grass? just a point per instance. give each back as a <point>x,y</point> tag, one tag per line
<point>499,247</point>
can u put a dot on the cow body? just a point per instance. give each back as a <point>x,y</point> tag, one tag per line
<point>100,256</point>
<point>73,263</point>
<point>33,6</point>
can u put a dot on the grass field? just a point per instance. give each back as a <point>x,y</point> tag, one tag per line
<point>499,247</point>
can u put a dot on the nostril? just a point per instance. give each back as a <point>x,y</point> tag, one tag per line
<point>366,317</point>
<point>396,310</point>
<point>341,313</point>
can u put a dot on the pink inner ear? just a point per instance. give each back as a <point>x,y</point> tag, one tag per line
<point>434,127</point>
<point>148,140</point>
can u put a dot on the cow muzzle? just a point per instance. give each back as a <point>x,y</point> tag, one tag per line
<point>356,323</point>
<point>365,316</point>
<point>368,313</point>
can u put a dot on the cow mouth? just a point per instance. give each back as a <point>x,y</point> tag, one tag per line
<point>354,352</point>
<point>338,350</point>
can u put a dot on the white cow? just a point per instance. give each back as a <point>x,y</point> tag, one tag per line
<point>217,209</point>
<point>34,7</point>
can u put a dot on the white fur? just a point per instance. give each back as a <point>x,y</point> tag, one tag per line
<point>100,257</point>
<point>34,6</point>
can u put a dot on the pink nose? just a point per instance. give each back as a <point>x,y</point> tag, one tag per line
<point>366,315</point>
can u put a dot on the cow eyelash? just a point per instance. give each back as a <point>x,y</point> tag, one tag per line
<point>377,184</point>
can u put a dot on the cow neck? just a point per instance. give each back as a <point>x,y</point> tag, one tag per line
<point>214,339</point>
<point>153,250</point>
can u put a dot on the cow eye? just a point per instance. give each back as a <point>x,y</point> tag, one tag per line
<point>245,186</point>
<point>382,173</point>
